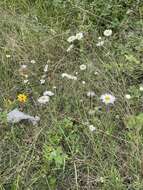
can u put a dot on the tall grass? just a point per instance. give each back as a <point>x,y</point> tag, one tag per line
<point>61,152</point>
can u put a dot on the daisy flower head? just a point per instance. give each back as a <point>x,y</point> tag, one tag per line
<point>42,81</point>
<point>96,73</point>
<point>108,99</point>
<point>107,32</point>
<point>26,81</point>
<point>33,61</point>
<point>22,98</point>
<point>79,36</point>
<point>141,88</point>
<point>43,99</point>
<point>24,66</point>
<point>91,128</point>
<point>128,96</point>
<point>82,67</point>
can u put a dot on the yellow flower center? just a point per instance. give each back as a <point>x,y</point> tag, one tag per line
<point>22,98</point>
<point>107,98</point>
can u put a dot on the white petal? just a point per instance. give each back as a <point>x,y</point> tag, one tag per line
<point>108,32</point>
<point>79,36</point>
<point>91,128</point>
<point>46,68</point>
<point>71,39</point>
<point>91,94</point>
<point>43,99</point>
<point>48,93</point>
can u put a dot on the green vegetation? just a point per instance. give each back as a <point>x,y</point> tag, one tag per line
<point>80,143</point>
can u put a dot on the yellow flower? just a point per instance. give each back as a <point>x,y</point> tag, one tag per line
<point>22,98</point>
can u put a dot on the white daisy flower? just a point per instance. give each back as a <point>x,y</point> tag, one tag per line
<point>42,81</point>
<point>96,73</point>
<point>8,56</point>
<point>69,76</point>
<point>70,47</point>
<point>46,68</point>
<point>71,39</point>
<point>99,44</point>
<point>26,81</point>
<point>128,96</point>
<point>83,82</point>
<point>79,36</point>
<point>99,38</point>
<point>108,99</point>
<point>82,67</point>
<point>54,87</point>
<point>33,61</point>
<point>107,32</point>
<point>48,93</point>
<point>91,128</point>
<point>43,99</point>
<point>91,94</point>
<point>23,66</point>
<point>141,88</point>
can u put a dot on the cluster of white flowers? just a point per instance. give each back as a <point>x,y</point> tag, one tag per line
<point>106,33</point>
<point>65,75</point>
<point>100,42</point>
<point>92,128</point>
<point>46,97</point>
<point>42,80</point>
<point>78,36</point>
<point>128,96</point>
